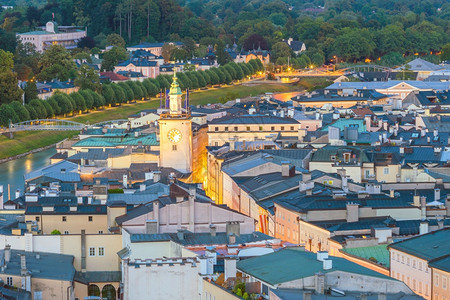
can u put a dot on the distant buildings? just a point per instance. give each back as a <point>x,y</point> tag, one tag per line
<point>52,34</point>
<point>154,48</point>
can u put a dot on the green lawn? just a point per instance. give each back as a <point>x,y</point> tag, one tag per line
<point>28,140</point>
<point>199,97</point>
<point>25,141</point>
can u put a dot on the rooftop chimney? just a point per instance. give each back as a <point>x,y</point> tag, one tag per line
<point>423,206</point>
<point>423,227</point>
<point>285,168</point>
<point>142,187</point>
<point>180,234</point>
<point>437,194</point>
<point>125,180</point>
<point>327,264</point>
<point>306,176</point>
<point>212,229</point>
<point>416,200</point>
<point>231,239</point>
<point>392,193</point>
<point>7,253</point>
<point>156,176</point>
<point>321,255</point>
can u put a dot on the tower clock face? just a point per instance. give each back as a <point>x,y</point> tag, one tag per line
<point>174,135</point>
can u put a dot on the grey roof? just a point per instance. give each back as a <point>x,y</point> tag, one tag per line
<point>252,119</point>
<point>389,84</point>
<point>267,267</point>
<point>12,293</point>
<point>98,276</point>
<point>428,246</point>
<point>70,173</point>
<point>98,154</point>
<point>295,294</point>
<point>420,64</point>
<point>48,265</point>
<point>196,239</point>
<point>441,263</point>
<point>151,193</point>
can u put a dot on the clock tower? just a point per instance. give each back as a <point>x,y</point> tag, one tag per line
<point>175,133</point>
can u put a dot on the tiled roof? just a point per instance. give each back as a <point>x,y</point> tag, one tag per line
<point>113,76</point>
<point>98,276</point>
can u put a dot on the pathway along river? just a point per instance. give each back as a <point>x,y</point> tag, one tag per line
<point>12,172</point>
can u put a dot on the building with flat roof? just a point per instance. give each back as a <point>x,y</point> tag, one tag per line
<point>52,34</point>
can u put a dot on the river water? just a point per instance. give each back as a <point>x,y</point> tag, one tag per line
<point>12,172</point>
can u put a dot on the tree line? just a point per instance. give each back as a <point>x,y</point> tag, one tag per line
<point>112,94</point>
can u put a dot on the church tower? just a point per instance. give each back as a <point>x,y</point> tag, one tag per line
<point>175,131</point>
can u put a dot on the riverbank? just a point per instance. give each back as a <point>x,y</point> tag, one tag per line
<point>26,142</point>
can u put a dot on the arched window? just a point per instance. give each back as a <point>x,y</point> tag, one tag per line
<point>109,292</point>
<point>93,290</point>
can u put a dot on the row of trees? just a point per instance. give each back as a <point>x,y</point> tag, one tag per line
<point>116,93</point>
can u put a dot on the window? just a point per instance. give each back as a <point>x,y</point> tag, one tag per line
<point>420,265</point>
<point>66,232</point>
<point>272,128</point>
<point>444,282</point>
<point>420,286</point>
<point>101,251</point>
<point>174,147</point>
<point>292,127</point>
<point>90,218</point>
<point>91,251</point>
<point>346,157</point>
<point>235,128</point>
<point>282,127</point>
<point>64,218</point>
<point>248,128</point>
<point>386,171</point>
<point>260,128</point>
<point>407,261</point>
<point>100,232</point>
<point>216,129</point>
<point>37,295</point>
<point>9,281</point>
<point>37,219</point>
<point>436,280</point>
<point>226,128</point>
<point>414,263</point>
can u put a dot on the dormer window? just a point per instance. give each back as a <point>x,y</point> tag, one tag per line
<point>347,157</point>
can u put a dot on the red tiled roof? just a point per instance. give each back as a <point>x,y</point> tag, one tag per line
<point>114,76</point>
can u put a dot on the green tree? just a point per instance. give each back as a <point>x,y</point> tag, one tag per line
<point>183,81</point>
<point>79,102</point>
<point>119,93</point>
<point>129,94</point>
<point>201,81</point>
<point>228,78</point>
<point>7,115</point>
<point>152,90</point>
<point>317,59</point>
<point>99,101</point>
<point>31,111</point>
<point>223,56</point>
<point>391,38</point>
<point>142,88</point>
<point>280,49</point>
<point>445,52</point>
<point>49,108</point>
<point>54,105</point>
<point>354,45</point>
<point>64,103</point>
<point>193,80</point>
<point>231,71</point>
<point>30,91</point>
<point>20,111</point>
<point>163,83</point>
<point>137,91</point>
<point>39,107</point>
<point>115,40</point>
<point>112,57</point>
<point>9,89</point>
<point>219,73</point>
<point>56,63</point>
<point>87,78</point>
<point>88,98</point>
<point>167,51</point>
<point>108,94</point>
<point>214,77</point>
<point>205,76</point>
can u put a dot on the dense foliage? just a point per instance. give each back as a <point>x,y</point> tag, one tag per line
<point>351,30</point>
